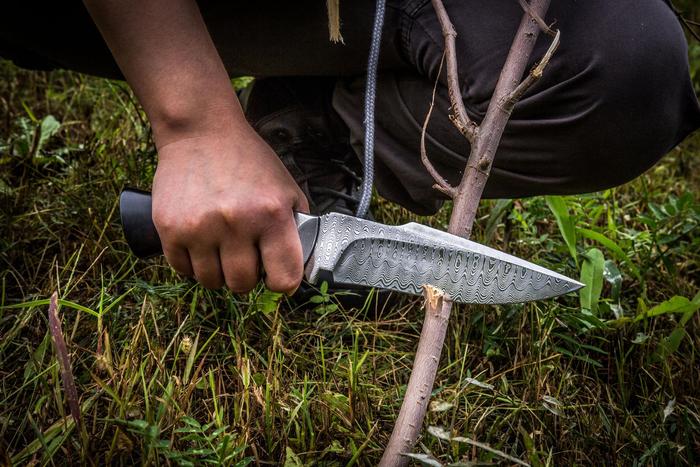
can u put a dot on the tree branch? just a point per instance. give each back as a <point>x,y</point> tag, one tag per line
<point>460,118</point>
<point>440,183</point>
<point>534,75</point>
<point>484,142</point>
<point>540,22</point>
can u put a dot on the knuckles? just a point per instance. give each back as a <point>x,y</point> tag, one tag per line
<point>247,216</point>
<point>284,283</point>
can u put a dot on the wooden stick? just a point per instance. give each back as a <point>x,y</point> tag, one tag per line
<point>484,141</point>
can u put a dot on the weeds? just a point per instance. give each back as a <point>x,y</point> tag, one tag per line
<point>169,373</point>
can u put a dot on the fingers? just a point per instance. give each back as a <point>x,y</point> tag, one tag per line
<point>207,266</point>
<point>281,254</point>
<point>179,259</point>
<point>239,263</point>
<point>301,204</point>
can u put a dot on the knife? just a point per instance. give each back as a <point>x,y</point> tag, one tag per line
<point>348,251</point>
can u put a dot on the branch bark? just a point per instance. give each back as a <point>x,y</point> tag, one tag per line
<point>461,120</point>
<point>484,141</point>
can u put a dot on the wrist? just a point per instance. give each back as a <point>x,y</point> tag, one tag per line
<point>183,119</point>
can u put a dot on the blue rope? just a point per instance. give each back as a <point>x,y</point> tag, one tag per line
<point>370,93</point>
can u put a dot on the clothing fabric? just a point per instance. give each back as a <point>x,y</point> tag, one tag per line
<point>614,99</point>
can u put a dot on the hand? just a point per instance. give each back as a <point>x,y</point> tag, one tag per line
<point>223,207</point>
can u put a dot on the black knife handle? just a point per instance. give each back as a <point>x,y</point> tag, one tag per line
<point>142,237</point>
<point>137,222</point>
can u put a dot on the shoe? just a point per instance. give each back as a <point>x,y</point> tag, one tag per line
<point>294,116</point>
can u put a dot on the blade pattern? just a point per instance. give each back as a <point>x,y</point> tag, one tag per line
<point>403,258</point>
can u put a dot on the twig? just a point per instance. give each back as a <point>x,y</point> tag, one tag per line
<point>460,118</point>
<point>440,183</point>
<point>538,19</point>
<point>484,142</point>
<point>63,359</point>
<point>534,75</point>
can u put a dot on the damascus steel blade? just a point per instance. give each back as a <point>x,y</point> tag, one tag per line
<point>353,251</point>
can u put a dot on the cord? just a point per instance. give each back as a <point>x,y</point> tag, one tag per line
<point>370,94</point>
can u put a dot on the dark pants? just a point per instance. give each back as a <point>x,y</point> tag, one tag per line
<point>615,98</point>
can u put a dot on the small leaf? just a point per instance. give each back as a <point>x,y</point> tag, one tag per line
<point>613,276</point>
<point>49,127</point>
<point>668,410</point>
<point>291,459</point>
<point>592,275</point>
<point>676,304</point>
<point>553,409</point>
<point>640,338</point>
<point>476,382</point>
<point>440,433</point>
<point>440,406</point>
<point>558,206</point>
<point>424,459</point>
<point>268,301</point>
<point>551,400</point>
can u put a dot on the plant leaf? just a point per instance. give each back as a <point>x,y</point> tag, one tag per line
<point>613,247</point>
<point>558,206</point>
<point>424,459</point>
<point>675,304</point>
<point>592,275</point>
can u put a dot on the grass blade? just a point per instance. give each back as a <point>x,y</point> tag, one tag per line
<point>63,359</point>
<point>560,210</point>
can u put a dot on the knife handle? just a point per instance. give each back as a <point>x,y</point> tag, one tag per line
<point>137,223</point>
<point>142,237</point>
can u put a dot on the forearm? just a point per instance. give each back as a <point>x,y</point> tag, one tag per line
<point>167,55</point>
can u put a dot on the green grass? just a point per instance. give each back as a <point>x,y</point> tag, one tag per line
<point>169,373</point>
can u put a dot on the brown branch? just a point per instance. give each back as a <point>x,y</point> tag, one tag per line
<point>63,359</point>
<point>484,142</point>
<point>538,19</point>
<point>460,118</point>
<point>440,183</point>
<point>534,75</point>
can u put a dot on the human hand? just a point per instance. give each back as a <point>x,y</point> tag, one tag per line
<point>223,207</point>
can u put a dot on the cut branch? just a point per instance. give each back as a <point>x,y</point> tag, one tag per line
<point>484,142</point>
<point>534,75</point>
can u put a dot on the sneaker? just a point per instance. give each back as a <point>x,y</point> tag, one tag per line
<point>294,116</point>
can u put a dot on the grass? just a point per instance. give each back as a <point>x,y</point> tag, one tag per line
<point>169,373</point>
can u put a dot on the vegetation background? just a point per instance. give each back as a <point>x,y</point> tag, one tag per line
<point>170,373</point>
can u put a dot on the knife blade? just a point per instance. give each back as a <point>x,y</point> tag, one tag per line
<point>349,251</point>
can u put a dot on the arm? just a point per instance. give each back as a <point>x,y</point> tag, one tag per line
<point>222,200</point>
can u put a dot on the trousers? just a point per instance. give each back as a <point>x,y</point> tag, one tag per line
<point>614,99</point>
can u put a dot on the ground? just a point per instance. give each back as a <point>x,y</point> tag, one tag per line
<point>170,373</point>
